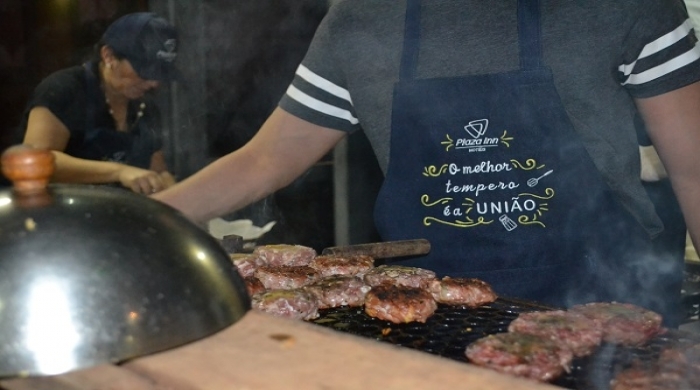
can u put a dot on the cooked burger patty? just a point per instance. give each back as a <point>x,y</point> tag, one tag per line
<point>288,255</point>
<point>399,304</point>
<point>521,354</point>
<point>676,369</point>
<point>400,276</point>
<point>622,323</point>
<point>246,264</point>
<point>693,353</point>
<point>296,304</point>
<point>253,285</point>
<point>577,332</point>
<point>462,291</point>
<point>342,265</point>
<point>285,277</point>
<point>338,290</point>
<point>645,378</point>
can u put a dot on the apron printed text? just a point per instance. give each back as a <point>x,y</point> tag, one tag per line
<point>492,187</point>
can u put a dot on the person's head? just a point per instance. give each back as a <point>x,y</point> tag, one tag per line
<point>138,51</point>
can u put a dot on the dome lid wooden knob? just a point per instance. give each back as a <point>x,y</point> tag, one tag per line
<point>28,168</point>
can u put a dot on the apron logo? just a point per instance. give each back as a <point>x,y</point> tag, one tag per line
<point>477,143</point>
<point>477,128</point>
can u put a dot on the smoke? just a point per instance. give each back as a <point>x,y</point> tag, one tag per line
<point>238,58</point>
<point>270,39</point>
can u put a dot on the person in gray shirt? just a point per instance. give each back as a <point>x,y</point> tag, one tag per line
<point>506,134</point>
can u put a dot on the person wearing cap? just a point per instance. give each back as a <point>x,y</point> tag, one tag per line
<point>97,117</point>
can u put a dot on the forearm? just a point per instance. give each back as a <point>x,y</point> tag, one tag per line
<point>673,123</point>
<point>685,178</point>
<point>284,148</point>
<point>70,169</point>
<point>227,184</point>
<point>689,198</point>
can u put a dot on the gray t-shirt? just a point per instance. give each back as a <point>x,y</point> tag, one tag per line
<point>603,53</point>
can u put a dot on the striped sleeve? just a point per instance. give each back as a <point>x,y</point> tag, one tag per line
<point>666,63</point>
<point>319,92</point>
<point>318,100</point>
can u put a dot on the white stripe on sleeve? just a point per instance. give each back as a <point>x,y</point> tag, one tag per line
<point>320,106</point>
<point>321,83</point>
<point>656,46</point>
<point>665,68</point>
<point>667,40</point>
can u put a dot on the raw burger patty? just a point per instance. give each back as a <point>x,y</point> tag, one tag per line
<point>399,304</point>
<point>285,277</point>
<point>579,333</point>
<point>342,265</point>
<point>622,323</point>
<point>462,291</point>
<point>400,276</point>
<point>522,355</point>
<point>338,290</point>
<point>291,255</point>
<point>297,304</point>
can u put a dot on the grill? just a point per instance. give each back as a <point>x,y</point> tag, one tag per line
<point>691,291</point>
<point>448,332</point>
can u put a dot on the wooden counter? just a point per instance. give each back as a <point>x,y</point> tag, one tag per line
<point>261,352</point>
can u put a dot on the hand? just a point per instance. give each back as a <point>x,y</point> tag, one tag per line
<point>143,181</point>
<point>168,179</point>
<point>652,167</point>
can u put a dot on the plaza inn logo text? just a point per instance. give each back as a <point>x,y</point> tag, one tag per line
<point>478,141</point>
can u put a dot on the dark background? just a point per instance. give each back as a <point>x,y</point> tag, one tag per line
<point>238,58</point>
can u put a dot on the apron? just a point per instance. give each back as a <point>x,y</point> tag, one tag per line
<point>134,147</point>
<point>490,170</point>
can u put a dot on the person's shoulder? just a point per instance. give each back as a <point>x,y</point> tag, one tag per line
<point>358,19</point>
<point>61,92</point>
<point>651,19</point>
<point>652,10</point>
<point>67,80</point>
<point>70,73</point>
<point>364,6</point>
<point>348,12</point>
<point>616,8</point>
<point>639,20</point>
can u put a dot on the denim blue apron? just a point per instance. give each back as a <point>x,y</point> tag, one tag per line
<point>134,147</point>
<point>490,170</point>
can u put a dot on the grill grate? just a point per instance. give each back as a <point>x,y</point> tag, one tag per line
<point>448,332</point>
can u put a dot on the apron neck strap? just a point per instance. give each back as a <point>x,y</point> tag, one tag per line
<point>529,34</point>
<point>411,41</point>
<point>528,37</point>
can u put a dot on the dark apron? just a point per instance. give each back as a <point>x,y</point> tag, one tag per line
<point>134,147</point>
<point>490,170</point>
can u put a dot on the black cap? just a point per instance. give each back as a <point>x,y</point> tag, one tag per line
<point>148,41</point>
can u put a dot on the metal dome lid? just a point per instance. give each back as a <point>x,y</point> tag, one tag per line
<point>94,274</point>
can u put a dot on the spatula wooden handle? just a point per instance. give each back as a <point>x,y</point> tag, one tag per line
<point>382,250</point>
